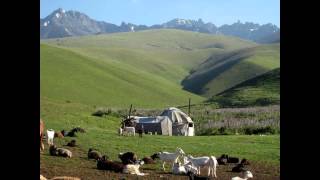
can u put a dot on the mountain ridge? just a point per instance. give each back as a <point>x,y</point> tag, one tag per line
<point>61,23</point>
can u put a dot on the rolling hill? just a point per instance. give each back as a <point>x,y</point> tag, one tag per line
<point>222,71</point>
<point>261,90</point>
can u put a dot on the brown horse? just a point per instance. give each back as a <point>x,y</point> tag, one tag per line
<point>41,135</point>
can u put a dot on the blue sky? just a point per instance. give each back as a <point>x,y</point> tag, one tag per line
<point>149,12</point>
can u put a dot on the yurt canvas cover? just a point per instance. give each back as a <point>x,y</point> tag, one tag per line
<point>160,124</point>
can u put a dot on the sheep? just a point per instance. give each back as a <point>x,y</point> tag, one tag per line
<point>239,168</point>
<point>54,151</point>
<point>41,135</point>
<point>92,154</point>
<point>134,168</point>
<point>233,159</point>
<point>246,175</point>
<point>58,135</point>
<point>245,162</point>
<point>72,143</point>
<point>170,157</point>
<point>128,158</point>
<point>193,176</point>
<point>148,160</point>
<point>78,129</point>
<point>210,162</point>
<point>105,164</point>
<point>223,159</point>
<point>120,131</point>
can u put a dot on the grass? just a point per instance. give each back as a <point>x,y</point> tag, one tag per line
<point>262,90</point>
<point>223,71</point>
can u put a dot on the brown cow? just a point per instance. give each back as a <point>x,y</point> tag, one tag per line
<point>41,134</point>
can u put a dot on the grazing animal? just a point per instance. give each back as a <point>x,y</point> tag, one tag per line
<point>92,154</point>
<point>172,158</point>
<point>177,169</point>
<point>129,131</point>
<point>72,143</point>
<point>246,175</point>
<point>54,151</point>
<point>239,168</point>
<point>128,158</point>
<point>205,161</point>
<point>233,160</point>
<point>245,162</point>
<point>134,168</point>
<point>148,160</point>
<point>58,135</point>
<point>50,136</point>
<point>120,131</point>
<point>193,176</point>
<point>115,166</point>
<point>223,159</point>
<point>64,133</point>
<point>41,134</point>
<point>65,178</point>
<point>78,129</point>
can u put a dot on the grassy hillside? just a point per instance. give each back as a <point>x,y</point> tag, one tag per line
<point>167,52</point>
<point>224,70</point>
<point>68,76</point>
<point>261,90</point>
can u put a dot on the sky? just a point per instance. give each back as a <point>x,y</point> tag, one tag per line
<point>150,12</point>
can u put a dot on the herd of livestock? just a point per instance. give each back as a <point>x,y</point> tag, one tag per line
<point>181,163</point>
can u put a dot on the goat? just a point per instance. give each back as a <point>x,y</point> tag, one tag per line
<point>54,151</point>
<point>72,143</point>
<point>134,168</point>
<point>120,131</point>
<point>205,161</point>
<point>177,169</point>
<point>41,135</point>
<point>246,175</point>
<point>78,129</point>
<point>170,157</point>
<point>233,159</point>
<point>193,176</point>
<point>50,136</point>
<point>128,158</point>
<point>92,154</point>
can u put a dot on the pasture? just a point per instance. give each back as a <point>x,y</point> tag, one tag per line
<point>262,151</point>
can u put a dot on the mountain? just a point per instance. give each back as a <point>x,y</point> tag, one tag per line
<point>260,90</point>
<point>144,68</point>
<point>222,71</point>
<point>61,23</point>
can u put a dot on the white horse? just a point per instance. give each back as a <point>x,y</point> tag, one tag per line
<point>172,158</point>
<point>205,161</point>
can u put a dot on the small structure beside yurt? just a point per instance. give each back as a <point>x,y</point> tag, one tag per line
<point>171,121</point>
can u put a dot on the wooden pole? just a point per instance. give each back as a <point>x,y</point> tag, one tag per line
<point>189,106</point>
<point>130,110</point>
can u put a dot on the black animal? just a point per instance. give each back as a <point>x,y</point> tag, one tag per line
<point>128,158</point>
<point>239,168</point>
<point>72,143</point>
<point>245,162</point>
<point>105,164</point>
<point>78,129</point>
<point>192,176</point>
<point>233,160</point>
<point>93,154</point>
<point>223,159</point>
